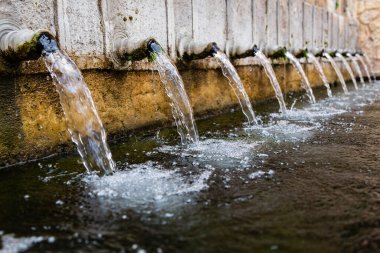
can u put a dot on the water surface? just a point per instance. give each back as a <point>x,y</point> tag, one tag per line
<point>307,183</point>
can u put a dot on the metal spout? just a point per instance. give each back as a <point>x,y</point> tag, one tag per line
<point>126,50</point>
<point>332,52</point>
<point>198,53</point>
<point>318,52</point>
<point>251,52</point>
<point>18,44</point>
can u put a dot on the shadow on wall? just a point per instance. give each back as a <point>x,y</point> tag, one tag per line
<point>10,120</point>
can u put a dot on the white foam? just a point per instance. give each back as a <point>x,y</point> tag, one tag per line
<point>260,173</point>
<point>285,130</point>
<point>146,184</point>
<point>12,244</point>
<point>214,149</point>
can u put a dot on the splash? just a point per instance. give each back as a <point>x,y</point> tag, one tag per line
<point>147,184</point>
<point>337,71</point>
<point>179,101</point>
<point>304,81</point>
<point>357,68</point>
<point>83,122</point>
<point>272,77</point>
<point>234,80</point>
<point>319,68</point>
<point>348,69</point>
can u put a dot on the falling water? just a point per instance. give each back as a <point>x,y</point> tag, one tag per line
<point>179,101</point>
<point>337,71</point>
<point>234,80</point>
<point>357,68</point>
<point>365,67</point>
<point>366,58</point>
<point>83,122</point>
<point>304,81</point>
<point>348,69</point>
<point>272,77</point>
<point>318,66</point>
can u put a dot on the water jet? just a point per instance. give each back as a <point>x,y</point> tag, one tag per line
<point>194,51</point>
<point>319,68</point>
<point>173,84</point>
<point>328,56</point>
<point>83,121</point>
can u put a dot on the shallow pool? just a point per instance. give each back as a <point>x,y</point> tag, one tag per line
<point>306,183</point>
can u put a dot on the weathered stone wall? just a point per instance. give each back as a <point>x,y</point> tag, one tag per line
<point>368,13</point>
<point>86,30</point>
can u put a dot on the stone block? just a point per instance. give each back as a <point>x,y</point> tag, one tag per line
<point>137,20</point>
<point>342,41</point>
<point>80,27</point>
<point>368,16</point>
<point>283,23</point>
<point>37,14</point>
<point>317,27</point>
<point>325,28</point>
<point>259,22</point>
<point>183,19</point>
<point>272,15</point>
<point>307,25</point>
<point>295,23</point>
<point>239,20</point>
<point>335,31</point>
<point>210,22</point>
<point>331,30</point>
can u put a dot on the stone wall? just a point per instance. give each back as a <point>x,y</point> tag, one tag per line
<point>86,30</point>
<point>368,14</point>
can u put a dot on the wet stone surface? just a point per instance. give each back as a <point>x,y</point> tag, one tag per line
<point>307,183</point>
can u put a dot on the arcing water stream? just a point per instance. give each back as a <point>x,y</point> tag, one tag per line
<point>304,80</point>
<point>357,68</point>
<point>365,67</point>
<point>83,122</point>
<point>366,58</point>
<point>267,65</point>
<point>337,71</point>
<point>175,90</point>
<point>318,66</point>
<point>231,74</point>
<point>347,66</point>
